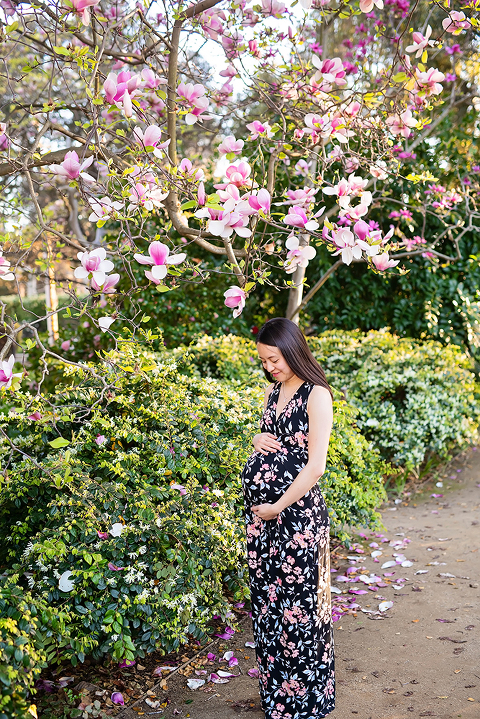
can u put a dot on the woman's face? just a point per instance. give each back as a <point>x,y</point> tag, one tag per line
<point>274,362</point>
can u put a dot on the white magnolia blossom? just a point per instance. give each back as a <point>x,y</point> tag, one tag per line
<point>116,529</point>
<point>65,584</point>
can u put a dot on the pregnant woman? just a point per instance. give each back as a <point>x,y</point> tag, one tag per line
<point>288,530</point>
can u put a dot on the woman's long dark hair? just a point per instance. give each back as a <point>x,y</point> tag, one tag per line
<point>288,338</point>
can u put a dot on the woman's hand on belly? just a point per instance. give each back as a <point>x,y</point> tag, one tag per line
<point>266,442</point>
<point>266,511</point>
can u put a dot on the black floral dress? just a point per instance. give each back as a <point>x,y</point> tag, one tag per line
<point>289,564</point>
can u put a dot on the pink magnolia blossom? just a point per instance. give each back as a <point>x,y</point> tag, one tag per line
<point>302,168</point>
<point>259,129</point>
<point>232,192</point>
<point>454,49</point>
<point>103,208</point>
<point>114,90</point>
<point>211,22</point>
<point>117,698</point>
<point>150,80</point>
<point>273,7</point>
<point>253,47</point>
<point>229,72</point>
<point>94,265</point>
<point>352,109</point>
<point>250,18</point>
<point>180,488</point>
<point>370,240</point>
<point>72,168</point>
<point>82,7</point>
<point>35,416</point>
<point>4,138</point>
<point>100,439</point>
<point>159,257</point>
<point>230,146</point>
<point>367,5</point>
<point>149,137</point>
<point>235,299</point>
<point>420,42</point>
<point>7,376</point>
<point>201,195</point>
<point>66,344</point>
<point>379,170</point>
<point>383,262</point>
<point>233,218</point>
<point>303,198</point>
<point>297,217</point>
<point>141,195</point>
<point>297,255</point>
<point>401,124</point>
<point>326,127</point>
<point>456,22</point>
<point>186,168</point>
<point>8,7</point>
<point>238,174</point>
<point>355,213</point>
<point>194,96</point>
<point>428,83</point>
<point>347,245</point>
<point>119,90</point>
<point>232,44</point>
<point>108,286</point>
<point>5,273</point>
<point>411,242</point>
<point>329,73</point>
<point>342,190</point>
<point>261,200</point>
<point>345,189</point>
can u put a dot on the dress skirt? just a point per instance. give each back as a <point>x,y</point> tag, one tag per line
<point>289,566</point>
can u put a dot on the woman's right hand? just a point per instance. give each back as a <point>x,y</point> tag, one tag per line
<point>266,442</point>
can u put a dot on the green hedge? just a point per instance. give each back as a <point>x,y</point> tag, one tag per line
<point>30,634</point>
<point>178,558</point>
<point>414,398</point>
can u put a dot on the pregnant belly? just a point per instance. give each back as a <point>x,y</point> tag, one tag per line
<point>267,476</point>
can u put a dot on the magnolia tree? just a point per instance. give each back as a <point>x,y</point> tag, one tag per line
<point>104,101</point>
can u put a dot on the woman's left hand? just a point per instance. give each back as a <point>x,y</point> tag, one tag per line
<point>265,511</point>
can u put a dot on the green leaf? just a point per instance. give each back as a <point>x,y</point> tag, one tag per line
<point>59,442</point>
<point>11,28</point>
<point>188,205</point>
<point>61,50</point>
<point>400,77</point>
<point>163,288</point>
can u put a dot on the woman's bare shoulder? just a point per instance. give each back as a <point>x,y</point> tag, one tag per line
<point>321,395</point>
<point>268,389</point>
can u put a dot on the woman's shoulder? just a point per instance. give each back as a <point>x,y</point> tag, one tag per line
<point>319,393</point>
<point>268,389</point>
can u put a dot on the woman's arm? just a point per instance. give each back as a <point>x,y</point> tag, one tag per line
<point>266,395</point>
<point>320,416</point>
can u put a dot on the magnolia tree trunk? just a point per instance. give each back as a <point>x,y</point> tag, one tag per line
<point>295,294</point>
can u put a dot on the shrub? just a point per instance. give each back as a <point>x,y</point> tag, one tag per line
<point>97,516</point>
<point>29,633</point>
<point>413,398</point>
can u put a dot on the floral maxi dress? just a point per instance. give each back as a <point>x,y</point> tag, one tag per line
<point>289,566</point>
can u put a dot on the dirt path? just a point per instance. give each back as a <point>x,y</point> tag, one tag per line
<point>402,663</point>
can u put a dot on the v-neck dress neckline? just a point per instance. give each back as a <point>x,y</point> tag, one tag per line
<point>277,417</point>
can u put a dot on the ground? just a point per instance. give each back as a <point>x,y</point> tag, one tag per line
<point>419,658</point>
